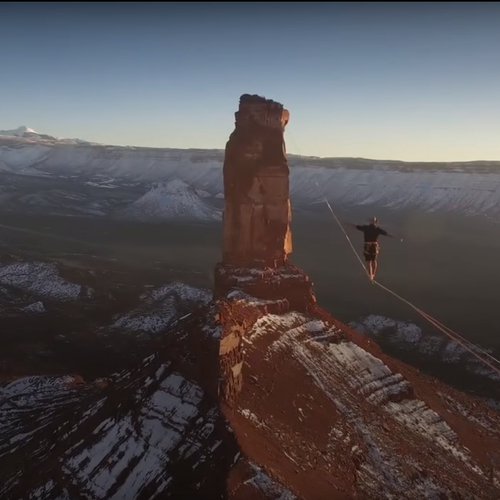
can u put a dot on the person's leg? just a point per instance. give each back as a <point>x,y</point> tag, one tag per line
<point>375,259</point>
<point>369,268</point>
<point>368,264</point>
<point>370,256</point>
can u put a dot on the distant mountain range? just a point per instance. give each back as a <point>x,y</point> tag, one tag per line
<point>462,187</point>
<point>28,133</point>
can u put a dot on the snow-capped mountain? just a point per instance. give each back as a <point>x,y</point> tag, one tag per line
<point>464,187</point>
<point>28,133</point>
<point>171,200</point>
<point>24,132</point>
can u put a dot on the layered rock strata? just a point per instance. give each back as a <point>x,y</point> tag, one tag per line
<point>257,239</point>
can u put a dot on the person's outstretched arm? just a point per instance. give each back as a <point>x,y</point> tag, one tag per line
<point>357,226</point>
<point>386,233</point>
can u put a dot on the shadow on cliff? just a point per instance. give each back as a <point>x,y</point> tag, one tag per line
<point>192,346</point>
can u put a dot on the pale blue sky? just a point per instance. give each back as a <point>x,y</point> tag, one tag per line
<point>408,81</point>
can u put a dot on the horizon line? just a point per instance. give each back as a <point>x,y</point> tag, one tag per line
<point>361,158</point>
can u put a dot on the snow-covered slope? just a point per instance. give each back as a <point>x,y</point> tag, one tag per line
<point>320,415</point>
<point>381,430</point>
<point>26,287</point>
<point>38,279</point>
<point>409,337</point>
<point>171,200</point>
<point>158,308</point>
<point>469,187</point>
<point>146,434</point>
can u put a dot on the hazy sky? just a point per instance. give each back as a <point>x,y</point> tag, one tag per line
<point>409,81</point>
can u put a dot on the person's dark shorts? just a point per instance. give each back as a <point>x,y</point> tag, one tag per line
<point>371,251</point>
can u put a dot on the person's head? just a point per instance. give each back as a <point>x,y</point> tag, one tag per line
<point>373,220</point>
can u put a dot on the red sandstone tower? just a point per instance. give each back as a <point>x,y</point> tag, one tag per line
<point>257,210</point>
<point>257,238</point>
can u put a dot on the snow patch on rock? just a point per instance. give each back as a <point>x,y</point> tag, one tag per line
<point>346,374</point>
<point>39,279</point>
<point>160,306</point>
<point>203,194</point>
<point>105,451</point>
<point>406,334</point>
<point>35,308</point>
<point>263,483</point>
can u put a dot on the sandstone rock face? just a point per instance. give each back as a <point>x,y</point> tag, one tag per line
<point>286,282</point>
<point>235,319</point>
<point>257,238</point>
<point>256,184</point>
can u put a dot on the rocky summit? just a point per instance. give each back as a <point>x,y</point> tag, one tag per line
<point>259,394</point>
